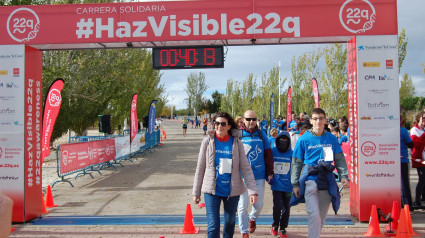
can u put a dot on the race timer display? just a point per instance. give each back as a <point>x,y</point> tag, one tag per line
<point>188,57</point>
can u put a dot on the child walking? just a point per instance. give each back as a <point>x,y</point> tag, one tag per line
<point>281,183</point>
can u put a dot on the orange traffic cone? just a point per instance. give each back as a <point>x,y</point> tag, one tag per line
<point>164,134</point>
<point>49,198</point>
<point>44,210</point>
<point>403,230</point>
<point>395,214</point>
<point>12,229</point>
<point>161,139</point>
<point>373,230</point>
<point>188,227</point>
<point>409,221</point>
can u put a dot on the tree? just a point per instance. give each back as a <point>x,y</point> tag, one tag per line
<point>407,89</point>
<point>216,101</point>
<point>195,88</point>
<point>101,82</point>
<point>303,70</point>
<point>333,81</point>
<point>402,47</point>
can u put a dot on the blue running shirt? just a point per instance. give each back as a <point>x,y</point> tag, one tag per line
<point>309,148</point>
<point>222,161</point>
<point>254,148</point>
<point>282,170</point>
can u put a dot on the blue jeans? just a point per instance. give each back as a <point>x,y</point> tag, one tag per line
<point>212,204</point>
<point>256,208</point>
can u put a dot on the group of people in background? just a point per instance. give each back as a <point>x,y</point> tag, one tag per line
<point>237,159</point>
<point>415,140</point>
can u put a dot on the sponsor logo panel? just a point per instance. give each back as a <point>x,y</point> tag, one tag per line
<point>371,64</point>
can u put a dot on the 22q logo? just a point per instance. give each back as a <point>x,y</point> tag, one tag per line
<point>357,16</point>
<point>55,98</point>
<point>23,24</point>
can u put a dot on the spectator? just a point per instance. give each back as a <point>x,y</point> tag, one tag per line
<point>221,162</point>
<point>418,137</point>
<point>405,142</point>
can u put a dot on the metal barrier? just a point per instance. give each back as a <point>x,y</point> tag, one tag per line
<point>152,141</point>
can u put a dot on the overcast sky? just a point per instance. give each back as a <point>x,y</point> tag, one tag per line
<point>242,60</point>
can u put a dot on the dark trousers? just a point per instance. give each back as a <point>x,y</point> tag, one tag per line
<point>421,184</point>
<point>406,195</point>
<point>281,209</point>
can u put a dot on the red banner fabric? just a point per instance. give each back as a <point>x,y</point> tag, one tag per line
<point>33,130</point>
<point>133,118</point>
<point>315,93</point>
<point>77,156</point>
<point>353,119</point>
<point>175,21</point>
<point>288,109</point>
<point>51,111</point>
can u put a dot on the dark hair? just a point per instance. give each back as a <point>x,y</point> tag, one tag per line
<point>318,111</point>
<point>344,127</point>
<point>418,116</point>
<point>229,119</point>
<point>344,120</point>
<point>335,129</point>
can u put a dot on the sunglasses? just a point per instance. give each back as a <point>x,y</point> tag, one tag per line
<point>220,123</point>
<point>249,119</point>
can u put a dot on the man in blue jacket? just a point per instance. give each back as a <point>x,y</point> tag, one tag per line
<point>317,149</point>
<point>258,152</point>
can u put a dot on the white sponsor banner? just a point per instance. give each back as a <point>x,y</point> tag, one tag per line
<point>12,111</point>
<point>378,165</point>
<point>139,141</point>
<point>122,146</point>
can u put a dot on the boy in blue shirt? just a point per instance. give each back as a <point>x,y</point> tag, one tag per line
<point>281,183</point>
<point>316,150</point>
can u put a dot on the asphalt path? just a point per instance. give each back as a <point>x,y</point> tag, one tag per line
<point>159,183</point>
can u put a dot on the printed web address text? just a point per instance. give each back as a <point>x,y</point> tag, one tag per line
<point>381,162</point>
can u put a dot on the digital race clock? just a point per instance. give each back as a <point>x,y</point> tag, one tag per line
<point>188,57</point>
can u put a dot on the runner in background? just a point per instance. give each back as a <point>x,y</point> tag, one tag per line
<point>272,137</point>
<point>184,123</point>
<point>263,124</point>
<point>239,121</point>
<point>205,126</point>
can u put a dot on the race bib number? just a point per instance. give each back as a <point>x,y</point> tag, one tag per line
<point>328,154</point>
<point>281,167</point>
<point>225,166</point>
